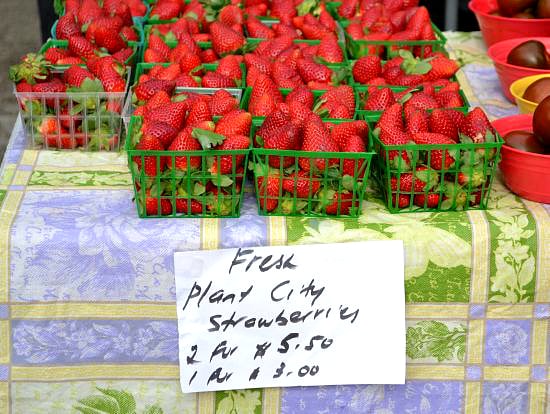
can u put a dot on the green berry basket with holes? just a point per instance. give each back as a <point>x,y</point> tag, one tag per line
<point>435,177</point>
<point>317,94</point>
<point>385,48</point>
<point>363,94</point>
<point>178,184</point>
<point>309,184</point>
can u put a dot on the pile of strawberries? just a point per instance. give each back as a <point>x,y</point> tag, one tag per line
<point>425,96</point>
<point>309,183</point>
<point>119,7</point>
<point>405,70</point>
<point>445,177</point>
<point>70,108</point>
<point>387,20</point>
<point>92,28</point>
<point>208,183</point>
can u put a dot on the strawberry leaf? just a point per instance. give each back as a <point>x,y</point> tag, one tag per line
<point>199,189</point>
<point>489,136</point>
<point>170,37</point>
<point>348,182</point>
<point>207,139</point>
<point>221,180</point>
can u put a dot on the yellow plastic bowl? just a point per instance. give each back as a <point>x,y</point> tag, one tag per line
<point>517,89</point>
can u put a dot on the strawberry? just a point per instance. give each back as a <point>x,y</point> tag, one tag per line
<point>188,207</point>
<point>343,94</point>
<point>456,116</point>
<point>417,120</point>
<point>217,80</point>
<point>392,117</point>
<point>158,99</point>
<point>341,133</point>
<point>156,206</point>
<point>421,100</point>
<point>419,20</point>
<point>404,201</point>
<point>379,100</point>
<point>261,63</point>
<point>225,40</point>
<point>144,91</point>
<point>149,165</point>
<point>50,87</point>
<point>442,68</point>
<point>301,94</point>
<point>88,11</point>
<point>436,157</point>
<point>335,203</point>
<point>272,123</point>
<point>153,56</point>
<point>287,137</point>
<point>66,27</point>
<point>316,138</point>
<point>109,39</point>
<point>330,50</point>
<point>230,67</point>
<point>172,113</point>
<point>442,123</point>
<point>224,164</point>
<point>391,135</point>
<point>75,75</point>
<point>70,60</point>
<point>80,46</point>
<point>231,15</point>
<point>111,80</point>
<point>237,122</point>
<point>199,112</point>
<point>222,102</point>
<point>156,43</point>
<point>476,125</point>
<point>431,200</point>
<point>311,71</point>
<point>103,23</point>
<point>165,10</point>
<point>449,99</point>
<point>257,29</point>
<point>185,141</point>
<point>129,34</point>
<point>301,185</point>
<point>366,68</point>
<point>348,8</point>
<point>475,177</point>
<point>421,180</point>
<point>163,132</point>
<point>169,73</point>
<point>54,54</point>
<point>351,166</point>
<point>269,191</point>
<point>186,81</point>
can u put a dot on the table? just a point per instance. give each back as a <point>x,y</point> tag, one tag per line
<point>87,315</point>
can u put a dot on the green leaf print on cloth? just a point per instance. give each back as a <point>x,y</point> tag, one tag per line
<point>434,339</point>
<point>239,402</point>
<point>112,401</point>
<point>80,178</point>
<point>514,248</point>
<point>437,246</point>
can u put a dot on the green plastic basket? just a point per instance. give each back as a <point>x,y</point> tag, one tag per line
<point>320,188</point>
<point>284,91</point>
<point>64,44</point>
<point>457,187</point>
<point>362,94</point>
<point>359,48</point>
<point>177,193</point>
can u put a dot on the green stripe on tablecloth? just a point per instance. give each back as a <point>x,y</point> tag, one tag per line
<point>80,178</point>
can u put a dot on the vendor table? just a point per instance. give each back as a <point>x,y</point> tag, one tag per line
<point>87,297</point>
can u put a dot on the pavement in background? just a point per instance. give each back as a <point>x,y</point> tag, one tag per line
<point>19,34</point>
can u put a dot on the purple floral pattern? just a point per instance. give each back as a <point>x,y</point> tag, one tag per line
<point>67,342</point>
<point>504,398</point>
<point>507,342</point>
<point>414,397</point>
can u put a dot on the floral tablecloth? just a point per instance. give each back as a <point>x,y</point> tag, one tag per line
<point>87,315</point>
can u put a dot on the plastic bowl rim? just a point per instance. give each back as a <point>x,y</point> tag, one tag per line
<point>492,16</point>
<point>490,53</point>
<point>515,150</point>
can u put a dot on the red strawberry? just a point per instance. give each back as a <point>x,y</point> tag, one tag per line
<point>129,34</point>
<point>156,206</point>
<point>316,139</point>
<point>189,63</point>
<point>75,75</point>
<point>224,39</point>
<point>66,27</point>
<point>431,200</point>
<point>403,202</point>
<point>230,67</point>
<point>217,80</point>
<point>422,179</point>
<point>150,143</point>
<point>348,8</point>
<point>301,184</point>
<point>456,116</point>
<point>272,123</point>
<point>330,50</point>
<point>337,203</point>
<point>163,132</point>
<point>311,71</point>
<point>421,100</point>
<point>341,133</point>
<point>301,94</point>
<point>392,117</point>
<point>442,123</point>
<point>269,191</point>
<point>170,72</point>
<point>436,156</point>
<point>53,54</point>
<point>390,135</point>
<point>50,87</point>
<point>257,29</point>
<point>88,11</point>
<point>80,46</point>
<point>351,166</point>
<point>231,15</point>
<point>199,112</point>
<point>165,10</point>
<point>366,68</point>
<point>442,68</point>
<point>144,91</point>
<point>379,99</point>
<point>224,164</point>
<point>342,94</point>
<point>186,81</point>
<point>111,80</point>
<point>156,43</point>
<point>476,125</point>
<point>153,56</point>
<point>417,120</point>
<point>188,207</point>
<point>237,122</point>
<point>185,141</point>
<point>172,113</point>
<point>449,99</point>
<point>261,63</point>
<point>222,102</point>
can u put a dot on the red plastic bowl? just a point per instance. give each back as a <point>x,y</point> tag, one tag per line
<point>497,28</point>
<point>507,73</point>
<point>525,173</point>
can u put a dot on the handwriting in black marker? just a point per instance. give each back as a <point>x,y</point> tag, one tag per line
<point>310,289</point>
<point>275,296</point>
<point>302,372</point>
<point>216,375</point>
<point>261,349</point>
<point>279,371</point>
<point>344,315</point>
<point>223,350</point>
<point>193,377</point>
<point>191,359</point>
<point>254,374</point>
<point>264,262</point>
<point>283,349</point>
<point>326,342</point>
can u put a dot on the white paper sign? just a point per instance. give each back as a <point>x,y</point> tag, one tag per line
<point>291,316</point>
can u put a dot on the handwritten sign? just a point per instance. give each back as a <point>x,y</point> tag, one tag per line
<point>293,315</point>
